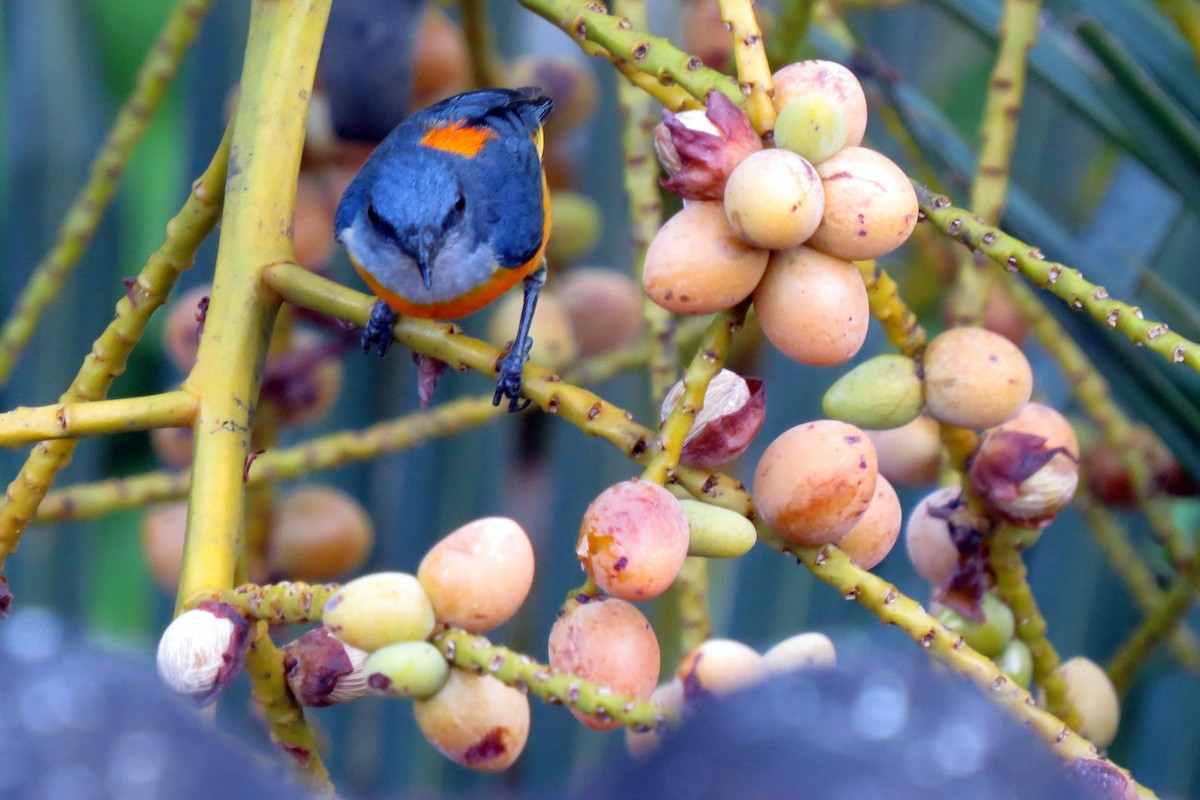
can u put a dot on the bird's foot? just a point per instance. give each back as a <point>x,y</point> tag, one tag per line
<point>378,332</point>
<point>508,384</point>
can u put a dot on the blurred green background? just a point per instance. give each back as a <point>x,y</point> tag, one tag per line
<point>1097,182</point>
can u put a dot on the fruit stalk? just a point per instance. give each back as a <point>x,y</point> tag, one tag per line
<point>151,83</point>
<point>678,80</point>
<point>1064,282</point>
<point>481,44</point>
<point>708,361</point>
<point>289,730</point>
<point>446,342</point>
<point>750,57</point>
<point>640,116</point>
<point>110,351</point>
<point>830,565</point>
<point>290,602</point>
<point>997,134</point>
<point>26,425</point>
<point>1004,557</point>
<point>477,654</point>
<point>900,324</point>
<point>1095,395</point>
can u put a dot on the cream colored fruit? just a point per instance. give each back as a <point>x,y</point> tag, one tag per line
<point>163,529</point>
<point>830,80</point>
<point>774,199</point>
<point>802,651</point>
<point>876,532</point>
<point>475,721</point>
<point>697,264</point>
<point>870,205</point>
<point>380,609</point>
<point>975,378</point>
<point>815,481</point>
<point>1093,695</point>
<point>720,666</point>
<point>479,575</point>
<point>813,307</point>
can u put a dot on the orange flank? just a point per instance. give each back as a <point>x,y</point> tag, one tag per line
<point>458,138</point>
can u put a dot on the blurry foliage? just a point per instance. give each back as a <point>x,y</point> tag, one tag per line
<point>1098,182</point>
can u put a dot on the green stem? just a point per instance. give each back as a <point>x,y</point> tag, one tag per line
<point>630,48</point>
<point>997,133</point>
<point>478,655</point>
<point>1064,282</point>
<point>899,323</point>
<point>153,80</point>
<point>285,716</point>
<point>1004,557</point>
<point>289,602</point>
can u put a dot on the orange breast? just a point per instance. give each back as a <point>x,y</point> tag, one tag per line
<point>471,301</point>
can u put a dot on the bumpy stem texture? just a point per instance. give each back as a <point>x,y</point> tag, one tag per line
<point>92,500</point>
<point>708,361</point>
<point>150,87</point>
<point>680,80</point>
<point>997,134</point>
<point>477,654</point>
<point>289,730</point>
<point>892,607</point>
<point>1064,282</point>
<point>109,353</point>
<point>899,323</point>
<point>289,602</point>
<point>1004,557</point>
<point>754,73</point>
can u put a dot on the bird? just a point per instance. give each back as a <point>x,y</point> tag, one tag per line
<point>451,211</point>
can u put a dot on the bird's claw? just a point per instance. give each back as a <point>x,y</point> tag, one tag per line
<point>378,332</point>
<point>508,384</point>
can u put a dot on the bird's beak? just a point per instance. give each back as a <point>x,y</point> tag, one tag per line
<point>426,250</point>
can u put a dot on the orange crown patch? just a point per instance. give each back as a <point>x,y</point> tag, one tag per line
<point>458,138</point>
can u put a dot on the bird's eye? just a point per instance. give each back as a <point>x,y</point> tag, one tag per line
<point>460,204</point>
<point>373,215</point>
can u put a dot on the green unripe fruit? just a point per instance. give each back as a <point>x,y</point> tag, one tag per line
<point>406,669</point>
<point>380,609</point>
<point>989,638</point>
<point>576,221</point>
<point>1016,662</point>
<point>812,126</point>
<point>883,392</point>
<point>715,532</point>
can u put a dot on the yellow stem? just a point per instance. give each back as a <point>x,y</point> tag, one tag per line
<point>109,353</point>
<point>997,134</point>
<point>277,79</point>
<point>153,80</point>
<point>708,361</point>
<point>899,323</point>
<point>264,665</point>
<point>754,73</point>
<point>25,425</point>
